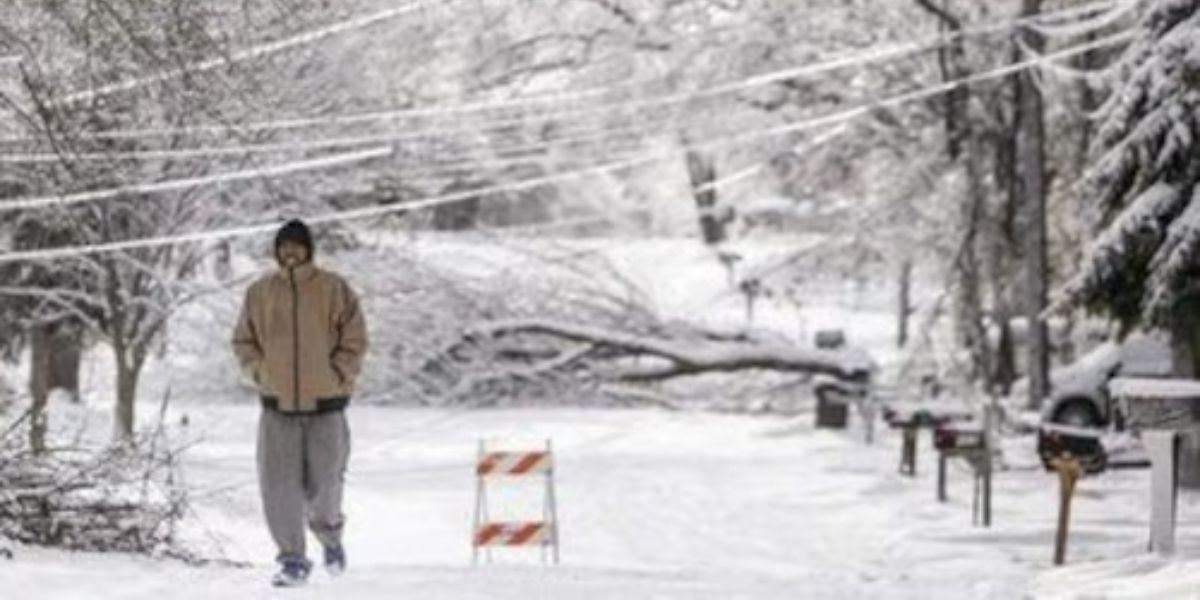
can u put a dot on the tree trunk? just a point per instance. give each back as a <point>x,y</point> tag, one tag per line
<point>1089,101</point>
<point>1185,337</point>
<point>128,371</point>
<point>972,331</point>
<point>461,214</point>
<point>39,386</point>
<point>703,174</point>
<point>952,65</point>
<point>55,358</point>
<point>1004,371</point>
<point>1031,176</point>
<point>962,133</point>
<point>66,356</point>
<point>1004,361</point>
<point>1185,346</point>
<point>904,304</point>
<point>223,265</point>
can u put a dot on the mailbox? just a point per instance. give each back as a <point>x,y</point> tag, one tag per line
<point>1054,442</point>
<point>947,438</point>
<point>930,417</point>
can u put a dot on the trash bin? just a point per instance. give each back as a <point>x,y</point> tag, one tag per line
<point>832,408</point>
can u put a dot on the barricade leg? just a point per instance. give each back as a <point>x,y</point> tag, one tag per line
<point>550,508</point>
<point>480,495</point>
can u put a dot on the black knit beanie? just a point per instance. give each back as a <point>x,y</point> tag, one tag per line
<point>295,231</point>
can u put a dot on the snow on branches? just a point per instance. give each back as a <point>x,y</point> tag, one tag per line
<point>1143,185</point>
<point>117,500</point>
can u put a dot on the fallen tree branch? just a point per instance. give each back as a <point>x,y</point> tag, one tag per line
<point>118,500</point>
<point>683,356</point>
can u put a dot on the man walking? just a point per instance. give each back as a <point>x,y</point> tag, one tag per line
<point>301,338</point>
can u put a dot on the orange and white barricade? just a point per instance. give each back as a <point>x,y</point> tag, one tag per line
<point>508,464</point>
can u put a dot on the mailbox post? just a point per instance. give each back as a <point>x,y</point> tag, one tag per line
<point>968,442</point>
<point>910,420</point>
<point>1163,443</point>
<point>1072,453</point>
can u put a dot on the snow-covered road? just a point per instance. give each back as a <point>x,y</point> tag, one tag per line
<point>652,505</point>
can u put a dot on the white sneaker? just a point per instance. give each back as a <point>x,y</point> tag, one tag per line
<point>292,573</point>
<point>335,560</point>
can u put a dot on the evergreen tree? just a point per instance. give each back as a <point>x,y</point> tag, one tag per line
<point>1142,269</point>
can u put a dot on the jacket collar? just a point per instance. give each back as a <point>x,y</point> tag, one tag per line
<point>303,272</point>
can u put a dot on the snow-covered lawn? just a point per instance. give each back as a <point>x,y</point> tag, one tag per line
<point>652,505</point>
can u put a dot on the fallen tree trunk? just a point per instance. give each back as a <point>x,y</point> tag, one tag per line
<point>529,348</point>
<point>686,356</point>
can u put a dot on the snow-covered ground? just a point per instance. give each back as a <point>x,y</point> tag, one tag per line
<point>652,504</point>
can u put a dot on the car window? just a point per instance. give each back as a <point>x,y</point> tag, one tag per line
<point>1146,355</point>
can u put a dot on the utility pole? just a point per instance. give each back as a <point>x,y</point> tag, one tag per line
<point>1031,179</point>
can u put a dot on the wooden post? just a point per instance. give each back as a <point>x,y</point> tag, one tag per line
<point>981,505</point>
<point>975,498</point>
<point>908,450</point>
<point>991,424</point>
<point>865,405</point>
<point>1069,471</point>
<point>986,465</point>
<point>941,478</point>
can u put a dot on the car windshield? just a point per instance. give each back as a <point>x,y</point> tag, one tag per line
<point>1099,358</point>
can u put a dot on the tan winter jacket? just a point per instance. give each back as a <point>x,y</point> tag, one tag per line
<point>301,336</point>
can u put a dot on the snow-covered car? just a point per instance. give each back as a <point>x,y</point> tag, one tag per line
<point>1079,392</point>
<point>1080,416</point>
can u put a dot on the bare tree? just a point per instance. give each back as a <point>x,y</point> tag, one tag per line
<point>123,298</point>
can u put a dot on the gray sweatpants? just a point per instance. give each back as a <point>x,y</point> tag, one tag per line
<point>301,470</point>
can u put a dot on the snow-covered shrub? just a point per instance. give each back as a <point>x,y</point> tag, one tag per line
<point>121,499</point>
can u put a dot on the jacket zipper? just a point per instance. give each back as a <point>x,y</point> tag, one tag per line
<point>295,339</point>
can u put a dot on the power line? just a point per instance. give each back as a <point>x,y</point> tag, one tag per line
<point>514,230</point>
<point>620,140</point>
<point>1121,9</point>
<point>375,211</point>
<point>801,125</point>
<point>728,180</point>
<point>283,147</point>
<point>177,184</point>
<point>191,182</point>
<point>586,134</point>
<point>753,170</point>
<point>832,119</point>
<point>848,59</point>
<point>376,139</point>
<point>257,51</point>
